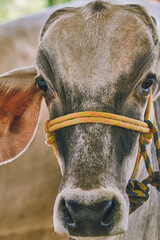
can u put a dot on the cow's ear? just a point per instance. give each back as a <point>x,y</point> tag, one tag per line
<point>20,101</point>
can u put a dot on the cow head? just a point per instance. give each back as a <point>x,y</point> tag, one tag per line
<point>99,57</point>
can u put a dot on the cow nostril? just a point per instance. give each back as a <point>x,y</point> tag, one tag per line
<point>67,211</point>
<point>96,219</point>
<point>107,219</point>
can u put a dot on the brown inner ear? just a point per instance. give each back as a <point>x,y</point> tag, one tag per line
<point>19,113</point>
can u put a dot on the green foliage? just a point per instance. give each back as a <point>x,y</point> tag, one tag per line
<point>54,2</point>
<point>11,9</point>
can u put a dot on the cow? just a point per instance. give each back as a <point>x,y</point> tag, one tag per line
<point>81,65</point>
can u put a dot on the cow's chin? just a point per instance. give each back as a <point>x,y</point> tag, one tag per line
<point>121,212</point>
<point>94,238</point>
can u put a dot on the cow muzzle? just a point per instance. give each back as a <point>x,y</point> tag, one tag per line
<point>92,213</point>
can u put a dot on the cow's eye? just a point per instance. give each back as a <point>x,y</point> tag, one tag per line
<point>42,83</point>
<point>148,82</point>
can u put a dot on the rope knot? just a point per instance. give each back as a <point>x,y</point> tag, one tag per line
<point>154,180</point>
<point>50,136</point>
<point>51,140</point>
<point>137,193</point>
<point>148,136</point>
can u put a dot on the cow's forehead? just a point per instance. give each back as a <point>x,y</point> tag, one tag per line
<point>92,44</point>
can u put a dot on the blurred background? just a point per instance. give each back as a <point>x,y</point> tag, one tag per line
<point>12,9</point>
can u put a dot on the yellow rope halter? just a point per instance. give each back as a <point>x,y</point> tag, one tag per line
<point>148,130</point>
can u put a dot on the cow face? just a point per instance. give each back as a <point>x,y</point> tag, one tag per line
<point>96,58</point>
<point>99,57</point>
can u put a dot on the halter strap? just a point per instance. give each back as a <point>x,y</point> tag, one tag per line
<point>97,117</point>
<point>137,191</point>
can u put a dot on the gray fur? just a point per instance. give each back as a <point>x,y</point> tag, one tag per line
<point>104,52</point>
